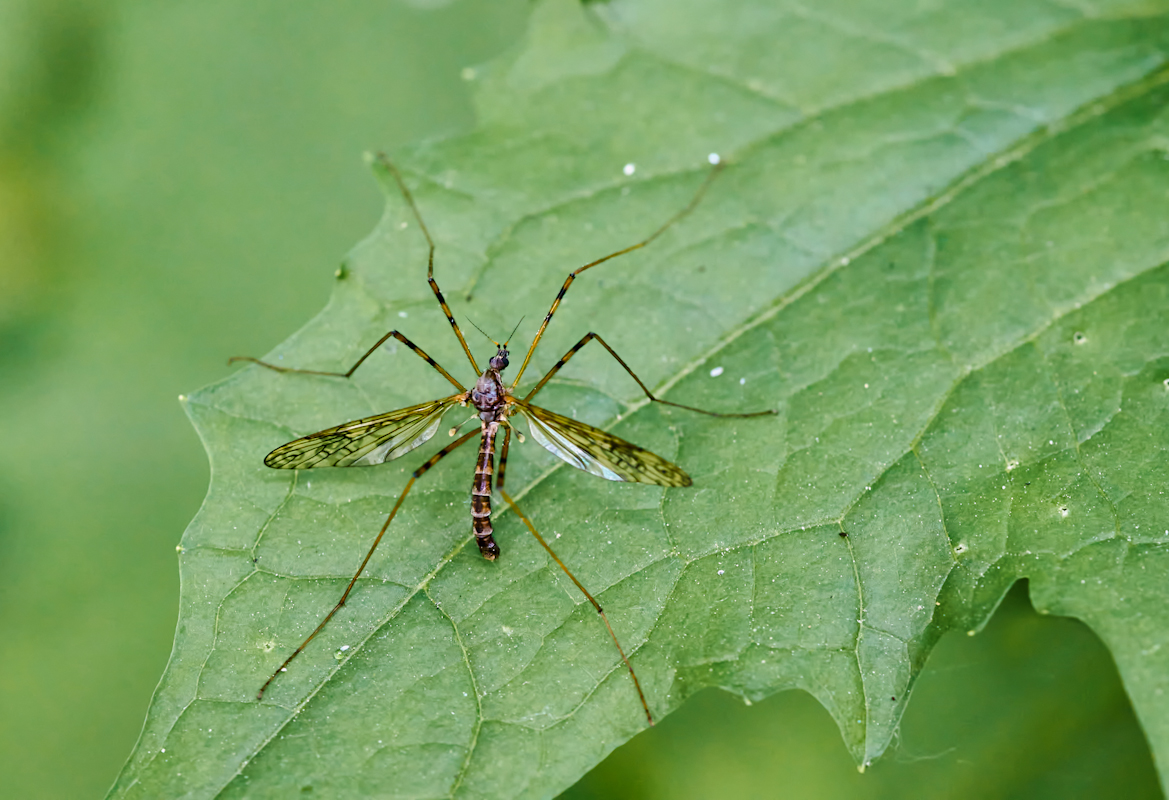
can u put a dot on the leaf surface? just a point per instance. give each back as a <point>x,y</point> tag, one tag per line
<point>940,251</point>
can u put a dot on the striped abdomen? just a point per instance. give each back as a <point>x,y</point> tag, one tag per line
<point>481,494</point>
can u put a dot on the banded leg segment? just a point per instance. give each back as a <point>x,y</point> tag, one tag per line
<point>694,201</point>
<point>418,473</point>
<point>392,334</point>
<point>389,165</point>
<point>532,529</point>
<point>588,337</point>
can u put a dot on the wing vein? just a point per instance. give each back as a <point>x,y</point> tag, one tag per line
<point>596,451</point>
<point>367,441</point>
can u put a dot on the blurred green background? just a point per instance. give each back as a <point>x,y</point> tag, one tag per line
<point>177,185</point>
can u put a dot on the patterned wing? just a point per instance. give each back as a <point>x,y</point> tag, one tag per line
<point>364,442</point>
<point>598,452</point>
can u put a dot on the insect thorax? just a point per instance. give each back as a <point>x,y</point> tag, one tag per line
<point>488,396</point>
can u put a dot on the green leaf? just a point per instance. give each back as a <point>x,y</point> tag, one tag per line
<point>940,251</point>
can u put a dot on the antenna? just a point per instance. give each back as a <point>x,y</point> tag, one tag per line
<point>483,332</point>
<point>513,330</point>
<point>497,344</point>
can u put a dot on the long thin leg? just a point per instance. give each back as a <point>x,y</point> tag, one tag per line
<point>389,165</point>
<point>417,474</point>
<point>532,528</point>
<point>417,350</point>
<point>694,201</point>
<point>588,338</point>
<point>503,458</point>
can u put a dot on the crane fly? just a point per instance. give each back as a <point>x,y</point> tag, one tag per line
<point>384,437</point>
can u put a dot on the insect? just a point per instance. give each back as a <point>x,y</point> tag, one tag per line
<point>383,437</point>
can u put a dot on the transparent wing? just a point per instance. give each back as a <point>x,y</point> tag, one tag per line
<point>598,452</point>
<point>364,442</point>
